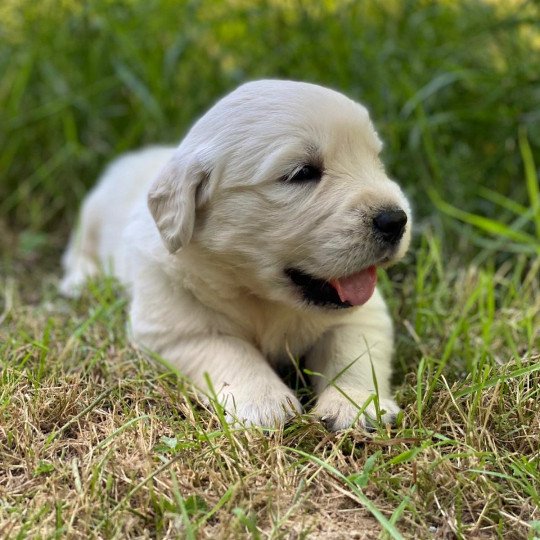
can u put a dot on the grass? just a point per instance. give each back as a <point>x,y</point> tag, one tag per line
<point>96,440</point>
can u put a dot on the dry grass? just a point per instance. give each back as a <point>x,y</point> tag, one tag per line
<point>98,441</point>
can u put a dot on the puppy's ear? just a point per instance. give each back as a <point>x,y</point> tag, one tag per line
<point>172,199</point>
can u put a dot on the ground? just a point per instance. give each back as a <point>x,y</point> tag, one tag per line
<point>96,439</point>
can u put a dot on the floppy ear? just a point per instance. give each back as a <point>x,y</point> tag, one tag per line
<point>172,199</point>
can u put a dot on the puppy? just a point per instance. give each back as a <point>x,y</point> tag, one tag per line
<point>255,240</point>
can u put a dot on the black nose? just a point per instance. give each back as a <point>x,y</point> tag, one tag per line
<point>390,224</point>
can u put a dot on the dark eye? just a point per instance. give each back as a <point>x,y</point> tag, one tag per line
<point>307,173</point>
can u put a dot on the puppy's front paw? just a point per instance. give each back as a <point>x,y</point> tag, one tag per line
<point>341,409</point>
<point>263,405</point>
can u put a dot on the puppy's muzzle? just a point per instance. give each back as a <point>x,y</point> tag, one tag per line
<point>390,225</point>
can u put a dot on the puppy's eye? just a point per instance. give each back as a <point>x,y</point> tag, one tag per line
<point>306,173</point>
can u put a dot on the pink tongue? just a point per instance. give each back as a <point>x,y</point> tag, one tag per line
<point>358,288</point>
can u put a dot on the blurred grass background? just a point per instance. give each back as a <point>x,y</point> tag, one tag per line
<point>453,87</point>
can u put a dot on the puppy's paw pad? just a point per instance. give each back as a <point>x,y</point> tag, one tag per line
<point>338,411</point>
<point>265,409</point>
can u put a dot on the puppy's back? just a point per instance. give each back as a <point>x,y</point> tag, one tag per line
<point>96,244</point>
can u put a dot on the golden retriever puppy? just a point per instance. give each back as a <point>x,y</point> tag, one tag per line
<point>258,238</point>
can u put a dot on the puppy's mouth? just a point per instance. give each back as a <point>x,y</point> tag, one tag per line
<point>353,290</point>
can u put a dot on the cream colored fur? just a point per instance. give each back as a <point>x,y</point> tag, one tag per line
<point>201,235</point>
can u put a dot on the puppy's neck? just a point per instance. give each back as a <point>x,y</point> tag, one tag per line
<point>272,326</point>
<point>207,278</point>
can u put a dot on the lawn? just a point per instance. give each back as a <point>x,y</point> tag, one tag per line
<point>96,440</point>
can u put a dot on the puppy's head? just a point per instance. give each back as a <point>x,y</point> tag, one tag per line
<point>282,184</point>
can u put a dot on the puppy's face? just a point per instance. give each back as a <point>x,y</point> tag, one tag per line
<point>290,197</point>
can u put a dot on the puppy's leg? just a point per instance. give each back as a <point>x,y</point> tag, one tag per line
<point>80,260</point>
<point>347,359</point>
<point>174,325</point>
<point>245,384</point>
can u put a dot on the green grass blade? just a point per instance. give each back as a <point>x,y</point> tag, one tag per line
<point>491,226</point>
<point>531,179</point>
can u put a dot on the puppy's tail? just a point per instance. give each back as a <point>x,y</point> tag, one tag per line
<point>80,260</point>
